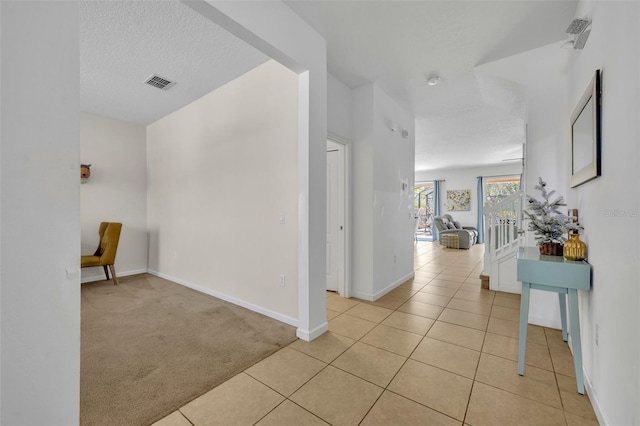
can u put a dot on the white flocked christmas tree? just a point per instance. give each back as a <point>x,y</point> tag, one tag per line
<point>545,220</point>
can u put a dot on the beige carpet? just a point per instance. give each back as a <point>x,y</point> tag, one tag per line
<point>149,346</point>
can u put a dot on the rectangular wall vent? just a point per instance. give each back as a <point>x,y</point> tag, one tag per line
<point>159,82</point>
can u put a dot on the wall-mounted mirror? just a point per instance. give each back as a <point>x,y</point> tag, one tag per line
<point>585,134</point>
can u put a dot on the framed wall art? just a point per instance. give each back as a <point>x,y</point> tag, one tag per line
<point>458,199</point>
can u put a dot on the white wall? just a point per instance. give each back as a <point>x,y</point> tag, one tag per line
<point>116,191</point>
<point>40,214</point>
<point>612,366</point>
<point>608,206</point>
<point>362,195</point>
<point>383,212</point>
<point>274,29</point>
<point>548,132</point>
<point>339,121</point>
<point>465,179</point>
<point>393,216</point>
<point>222,171</point>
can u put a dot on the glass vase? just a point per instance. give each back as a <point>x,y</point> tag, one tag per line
<point>574,248</point>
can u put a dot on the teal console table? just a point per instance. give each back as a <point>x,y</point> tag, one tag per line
<point>565,277</point>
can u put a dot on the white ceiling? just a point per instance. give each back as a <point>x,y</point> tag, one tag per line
<point>471,118</point>
<point>124,42</point>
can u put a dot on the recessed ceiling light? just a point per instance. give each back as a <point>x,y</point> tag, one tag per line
<point>433,80</point>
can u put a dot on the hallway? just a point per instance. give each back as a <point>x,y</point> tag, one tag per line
<point>436,350</point>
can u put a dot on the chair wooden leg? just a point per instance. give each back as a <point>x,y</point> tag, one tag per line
<point>106,272</point>
<point>113,274</point>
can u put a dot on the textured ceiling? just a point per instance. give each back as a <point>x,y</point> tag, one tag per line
<point>475,116</point>
<point>124,42</point>
<point>468,119</point>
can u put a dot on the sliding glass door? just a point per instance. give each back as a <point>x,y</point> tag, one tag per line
<point>424,208</point>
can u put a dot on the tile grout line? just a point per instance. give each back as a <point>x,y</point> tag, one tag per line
<point>287,398</point>
<point>475,374</point>
<point>405,361</point>
<point>422,339</point>
<point>555,374</point>
<point>183,415</point>
<point>477,367</point>
<point>386,388</point>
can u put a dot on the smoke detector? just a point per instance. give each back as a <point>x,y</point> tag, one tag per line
<point>580,30</point>
<point>577,26</point>
<point>158,82</point>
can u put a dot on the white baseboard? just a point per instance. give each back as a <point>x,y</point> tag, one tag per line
<point>588,386</point>
<point>101,277</point>
<point>255,308</point>
<point>309,335</point>
<point>545,322</point>
<point>361,295</point>
<point>595,403</point>
<point>373,297</point>
<point>393,285</point>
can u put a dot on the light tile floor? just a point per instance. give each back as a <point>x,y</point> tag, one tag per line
<point>438,350</point>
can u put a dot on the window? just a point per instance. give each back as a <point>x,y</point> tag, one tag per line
<point>496,189</point>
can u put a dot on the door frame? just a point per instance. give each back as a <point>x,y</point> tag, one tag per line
<point>345,289</point>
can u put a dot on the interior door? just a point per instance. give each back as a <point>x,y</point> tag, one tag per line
<point>332,219</point>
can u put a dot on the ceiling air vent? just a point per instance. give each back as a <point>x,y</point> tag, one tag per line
<point>159,82</point>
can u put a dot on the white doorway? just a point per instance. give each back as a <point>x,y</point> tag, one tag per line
<point>337,205</point>
<point>424,207</point>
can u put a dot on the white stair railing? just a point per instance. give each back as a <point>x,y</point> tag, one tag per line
<point>503,228</point>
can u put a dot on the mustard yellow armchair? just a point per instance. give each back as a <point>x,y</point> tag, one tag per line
<point>105,255</point>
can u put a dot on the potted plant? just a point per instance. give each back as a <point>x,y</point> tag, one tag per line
<point>547,222</point>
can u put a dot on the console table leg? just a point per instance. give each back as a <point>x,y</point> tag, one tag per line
<point>524,321</point>
<point>575,338</point>
<point>563,315</point>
